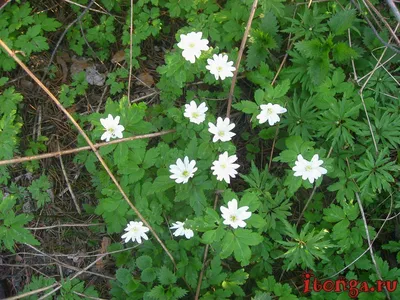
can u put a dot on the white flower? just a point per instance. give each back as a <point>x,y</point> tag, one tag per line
<point>112,127</point>
<point>135,231</point>
<point>224,167</point>
<point>192,45</point>
<point>183,170</point>
<point>181,230</point>
<point>310,170</point>
<point>196,114</point>
<point>269,112</point>
<point>219,66</point>
<point>235,216</point>
<point>222,130</point>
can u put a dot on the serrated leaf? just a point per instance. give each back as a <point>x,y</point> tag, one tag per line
<point>166,277</point>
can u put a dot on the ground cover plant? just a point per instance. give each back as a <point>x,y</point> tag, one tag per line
<point>201,149</point>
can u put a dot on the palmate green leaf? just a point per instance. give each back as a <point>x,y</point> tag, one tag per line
<point>39,189</point>
<point>301,118</point>
<point>305,247</point>
<point>374,174</point>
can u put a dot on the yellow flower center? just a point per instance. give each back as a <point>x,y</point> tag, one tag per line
<point>221,133</point>
<point>192,45</point>
<point>233,218</point>
<point>308,168</point>
<point>134,230</point>
<point>223,166</point>
<point>195,115</point>
<point>270,111</point>
<point>111,130</point>
<point>185,173</point>
<point>219,68</point>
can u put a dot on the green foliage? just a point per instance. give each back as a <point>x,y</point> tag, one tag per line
<point>23,32</point>
<point>296,56</point>
<point>40,190</point>
<point>12,226</point>
<point>305,247</point>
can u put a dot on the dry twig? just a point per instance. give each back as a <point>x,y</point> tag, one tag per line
<point>68,184</point>
<point>239,58</point>
<point>84,148</point>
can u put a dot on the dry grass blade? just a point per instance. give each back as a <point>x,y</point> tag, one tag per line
<point>99,157</point>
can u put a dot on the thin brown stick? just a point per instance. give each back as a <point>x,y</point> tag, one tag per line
<point>239,58</point>
<point>371,251</point>
<point>32,292</point>
<point>80,149</point>
<point>394,9</point>
<point>63,225</point>
<point>370,245</point>
<point>73,277</point>
<point>69,266</point>
<point>68,184</point>
<point>362,95</point>
<point>392,33</point>
<point>204,260</point>
<point>130,52</point>
<point>82,132</point>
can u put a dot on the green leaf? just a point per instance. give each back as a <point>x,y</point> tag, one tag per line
<point>166,277</point>
<point>143,262</point>
<point>342,21</point>
<point>248,237</point>
<point>160,184</point>
<point>247,107</point>
<point>227,245</point>
<point>150,157</point>
<point>148,275</point>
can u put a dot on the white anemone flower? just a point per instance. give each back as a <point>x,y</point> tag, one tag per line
<point>224,167</point>
<point>310,170</point>
<point>222,130</point>
<point>220,67</point>
<point>192,44</point>
<point>181,230</point>
<point>270,112</point>
<point>135,231</point>
<point>235,216</point>
<point>183,170</point>
<point>196,114</point>
<point>112,127</point>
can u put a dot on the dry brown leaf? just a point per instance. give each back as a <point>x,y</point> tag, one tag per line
<point>104,245</point>
<point>118,57</point>
<point>78,66</point>
<point>146,79</point>
<point>61,61</point>
<point>26,84</point>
